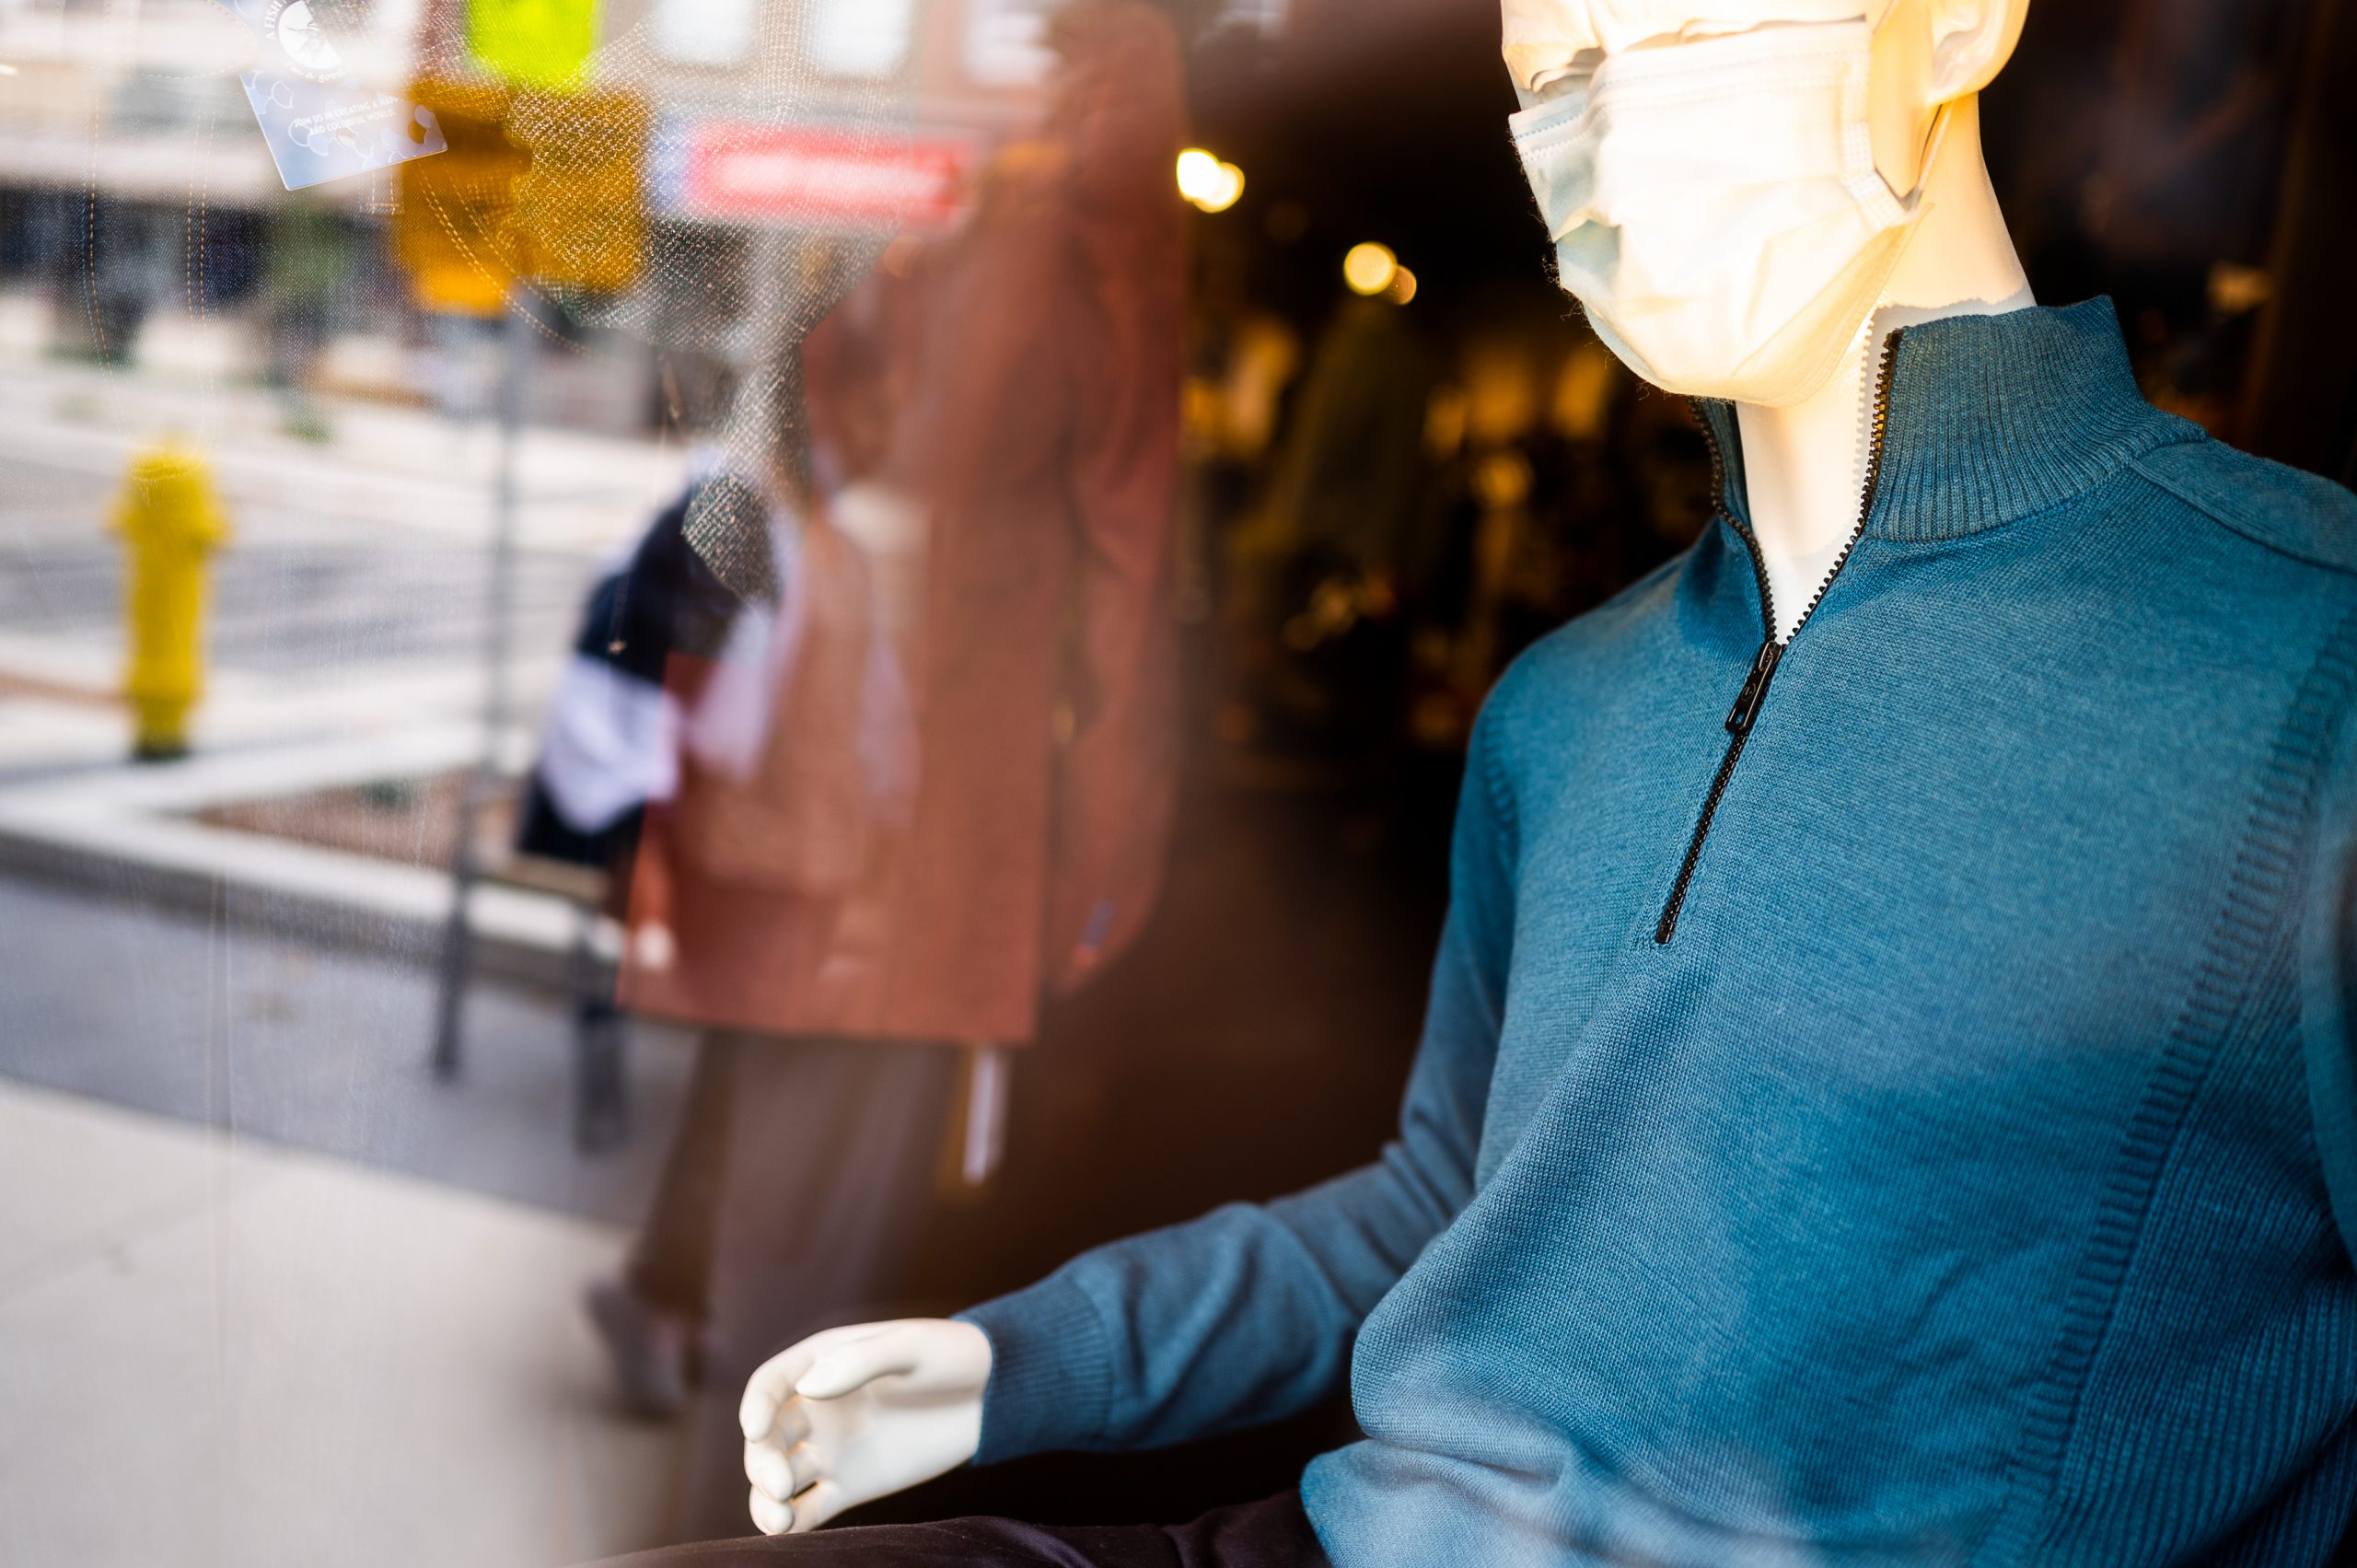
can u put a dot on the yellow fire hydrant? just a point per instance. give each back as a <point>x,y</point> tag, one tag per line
<point>170,522</point>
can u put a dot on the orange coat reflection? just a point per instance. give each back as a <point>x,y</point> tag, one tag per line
<point>961,799</point>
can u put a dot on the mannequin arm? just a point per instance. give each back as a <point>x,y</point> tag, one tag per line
<point>1248,1314</point>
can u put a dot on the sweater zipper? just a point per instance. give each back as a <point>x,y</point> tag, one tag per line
<point>1754,692</point>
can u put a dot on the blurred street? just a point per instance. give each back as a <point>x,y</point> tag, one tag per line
<point>213,1125</point>
<point>152,1218</point>
<point>351,599</point>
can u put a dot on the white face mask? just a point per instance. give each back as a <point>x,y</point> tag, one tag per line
<point>1716,207</point>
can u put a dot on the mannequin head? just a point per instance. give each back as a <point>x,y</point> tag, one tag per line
<point>1709,168</point>
<point>1927,52</point>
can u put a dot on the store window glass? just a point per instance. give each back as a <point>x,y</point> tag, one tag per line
<point>681,677</point>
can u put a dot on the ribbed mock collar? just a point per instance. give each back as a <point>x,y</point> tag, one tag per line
<point>1991,418</point>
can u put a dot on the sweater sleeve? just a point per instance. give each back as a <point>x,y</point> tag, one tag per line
<point>2329,984</point>
<point>1248,1314</point>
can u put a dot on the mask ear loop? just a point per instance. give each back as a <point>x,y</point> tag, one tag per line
<point>1931,142</point>
<point>1912,202</point>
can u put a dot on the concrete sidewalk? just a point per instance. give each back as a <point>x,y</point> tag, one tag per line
<point>214,1353</point>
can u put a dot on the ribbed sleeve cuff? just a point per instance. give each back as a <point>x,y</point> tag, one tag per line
<point>1051,1371</point>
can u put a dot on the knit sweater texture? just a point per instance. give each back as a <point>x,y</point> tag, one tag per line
<point>1968,1177</point>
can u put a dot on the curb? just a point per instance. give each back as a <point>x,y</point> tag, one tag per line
<point>131,834</point>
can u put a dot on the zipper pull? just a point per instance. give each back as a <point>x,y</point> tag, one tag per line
<point>1755,687</point>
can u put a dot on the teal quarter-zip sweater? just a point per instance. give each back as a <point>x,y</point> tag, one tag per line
<point>1963,1170</point>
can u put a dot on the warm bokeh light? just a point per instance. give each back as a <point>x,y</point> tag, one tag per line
<point>1402,288</point>
<point>1370,268</point>
<point>1210,184</point>
<point>1198,174</point>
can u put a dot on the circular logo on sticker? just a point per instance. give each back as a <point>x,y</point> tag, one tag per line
<point>308,49</point>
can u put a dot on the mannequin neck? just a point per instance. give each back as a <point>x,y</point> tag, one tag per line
<point>1804,464</point>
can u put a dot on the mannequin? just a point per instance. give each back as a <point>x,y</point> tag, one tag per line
<point>1982,1139</point>
<point>859,1412</point>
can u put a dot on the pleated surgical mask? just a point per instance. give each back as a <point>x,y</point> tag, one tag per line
<point>1716,207</point>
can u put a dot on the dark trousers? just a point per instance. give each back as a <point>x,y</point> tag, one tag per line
<point>800,1173</point>
<point>1272,1534</point>
<point>670,1265</point>
<point>800,1163</point>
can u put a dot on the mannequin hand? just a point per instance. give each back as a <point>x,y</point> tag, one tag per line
<point>856,1414</point>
